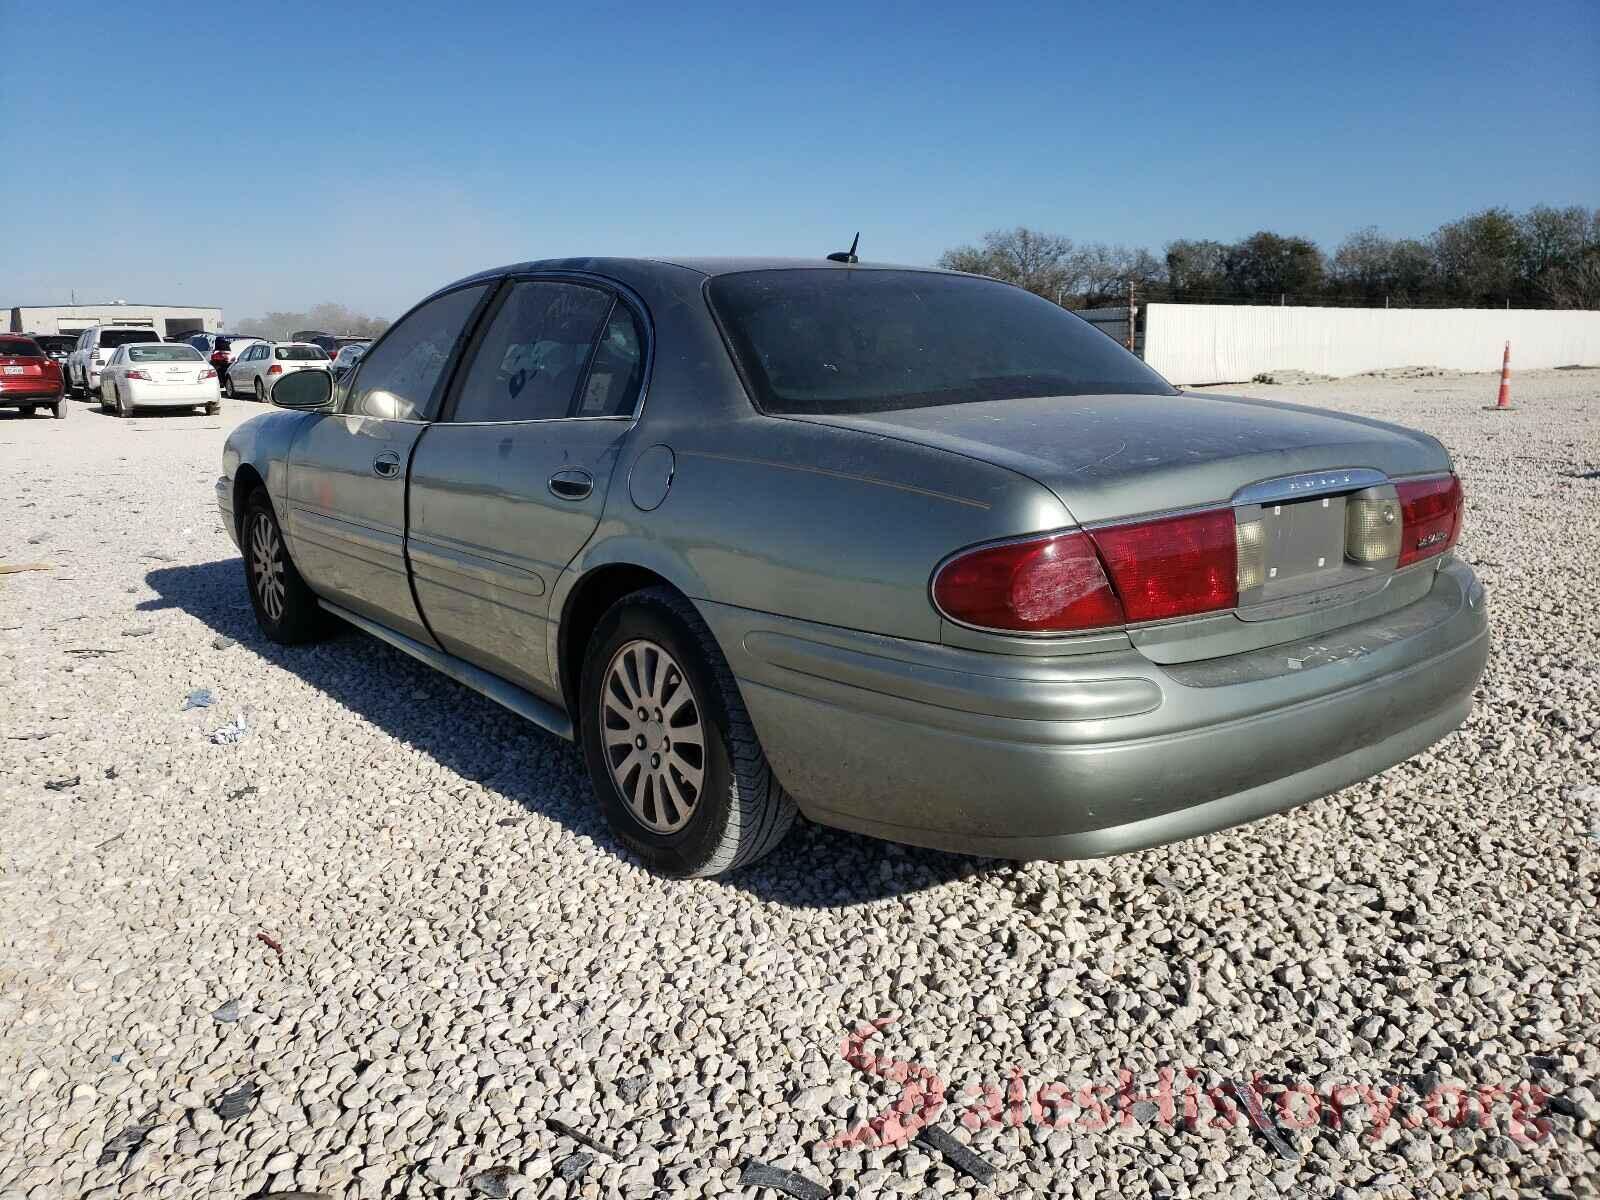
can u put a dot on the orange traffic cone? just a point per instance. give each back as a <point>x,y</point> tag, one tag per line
<point>1503,402</point>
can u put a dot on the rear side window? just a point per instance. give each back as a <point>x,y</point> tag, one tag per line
<point>849,342</point>
<point>20,348</point>
<point>533,357</point>
<point>174,353</point>
<point>612,386</point>
<point>401,375</point>
<point>124,337</point>
<point>300,354</point>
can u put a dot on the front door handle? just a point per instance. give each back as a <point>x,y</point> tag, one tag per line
<point>386,464</point>
<point>571,485</point>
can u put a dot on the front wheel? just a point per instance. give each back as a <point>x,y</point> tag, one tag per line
<point>286,609</point>
<point>674,760</point>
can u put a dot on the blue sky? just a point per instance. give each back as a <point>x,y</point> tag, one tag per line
<point>366,155</point>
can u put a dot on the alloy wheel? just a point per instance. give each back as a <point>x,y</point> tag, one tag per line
<point>266,557</point>
<point>653,735</point>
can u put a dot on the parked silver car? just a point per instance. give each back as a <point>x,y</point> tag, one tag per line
<point>255,372</point>
<point>918,553</point>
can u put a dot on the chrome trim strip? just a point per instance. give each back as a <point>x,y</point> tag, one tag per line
<point>1308,483</point>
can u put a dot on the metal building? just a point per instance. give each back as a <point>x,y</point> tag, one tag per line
<point>169,320</point>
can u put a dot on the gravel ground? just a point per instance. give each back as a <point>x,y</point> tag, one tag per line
<point>390,911</point>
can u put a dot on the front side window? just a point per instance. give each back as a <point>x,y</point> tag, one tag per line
<point>851,342</point>
<point>402,375</point>
<point>534,354</point>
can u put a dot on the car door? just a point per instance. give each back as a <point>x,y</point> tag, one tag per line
<point>347,470</point>
<point>510,483</point>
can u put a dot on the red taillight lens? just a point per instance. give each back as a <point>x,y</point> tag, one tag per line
<point>139,375</point>
<point>208,373</point>
<point>274,369</point>
<point>1430,515</point>
<point>1173,566</point>
<point>1044,585</point>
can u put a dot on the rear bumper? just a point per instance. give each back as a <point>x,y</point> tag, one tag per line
<point>34,391</point>
<point>187,395</point>
<point>1095,754</point>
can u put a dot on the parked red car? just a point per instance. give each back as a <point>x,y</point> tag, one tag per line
<point>29,378</point>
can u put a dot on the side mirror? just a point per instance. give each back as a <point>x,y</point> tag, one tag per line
<point>303,390</point>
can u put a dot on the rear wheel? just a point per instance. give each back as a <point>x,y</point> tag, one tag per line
<point>261,392</point>
<point>286,609</point>
<point>213,409</point>
<point>671,752</point>
<point>58,410</point>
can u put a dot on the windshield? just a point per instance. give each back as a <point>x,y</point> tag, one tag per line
<point>850,342</point>
<point>175,352</point>
<point>299,353</point>
<point>110,338</point>
<point>19,348</point>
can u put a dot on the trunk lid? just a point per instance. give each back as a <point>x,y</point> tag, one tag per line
<point>1110,458</point>
<point>17,367</point>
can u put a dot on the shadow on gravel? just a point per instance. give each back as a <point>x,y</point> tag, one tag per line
<point>478,740</point>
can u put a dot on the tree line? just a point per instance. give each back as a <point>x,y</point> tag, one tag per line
<point>325,318</point>
<point>1543,258</point>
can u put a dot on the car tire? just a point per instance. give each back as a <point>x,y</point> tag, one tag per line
<point>105,401</point>
<point>261,392</point>
<point>739,812</point>
<point>213,409</point>
<point>58,410</point>
<point>227,389</point>
<point>29,409</point>
<point>123,408</point>
<point>286,609</point>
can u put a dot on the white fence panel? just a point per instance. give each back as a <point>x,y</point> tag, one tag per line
<point>1228,343</point>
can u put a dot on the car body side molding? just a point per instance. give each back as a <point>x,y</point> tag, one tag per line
<point>524,703</point>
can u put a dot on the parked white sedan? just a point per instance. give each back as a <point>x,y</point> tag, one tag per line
<point>158,375</point>
<point>253,373</point>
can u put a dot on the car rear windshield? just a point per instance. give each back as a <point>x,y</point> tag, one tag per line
<point>20,348</point>
<point>176,352</point>
<point>299,353</point>
<point>847,342</point>
<point>110,338</point>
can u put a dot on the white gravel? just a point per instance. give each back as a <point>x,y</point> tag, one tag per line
<point>465,954</point>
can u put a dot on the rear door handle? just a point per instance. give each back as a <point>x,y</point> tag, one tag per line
<point>386,464</point>
<point>571,485</point>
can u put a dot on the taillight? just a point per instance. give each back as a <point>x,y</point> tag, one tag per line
<point>1430,516</point>
<point>137,374</point>
<point>1173,566</point>
<point>1049,584</point>
<point>208,373</point>
<point>274,369</point>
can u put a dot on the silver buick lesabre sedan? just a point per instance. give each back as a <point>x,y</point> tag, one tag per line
<point>914,553</point>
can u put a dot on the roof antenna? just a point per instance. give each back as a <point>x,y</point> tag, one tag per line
<point>847,256</point>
